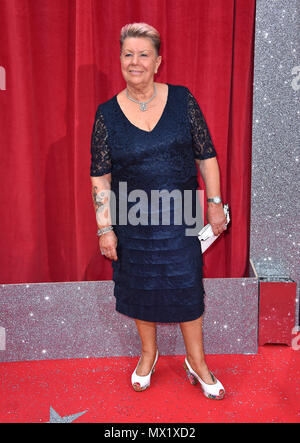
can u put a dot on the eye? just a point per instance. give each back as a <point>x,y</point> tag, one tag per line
<point>144,55</point>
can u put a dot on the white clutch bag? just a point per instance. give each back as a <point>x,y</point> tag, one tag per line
<point>206,235</point>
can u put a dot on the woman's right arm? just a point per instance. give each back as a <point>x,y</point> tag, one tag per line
<point>100,193</point>
<point>101,187</point>
<point>100,173</point>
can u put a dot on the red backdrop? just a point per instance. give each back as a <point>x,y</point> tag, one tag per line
<point>61,59</point>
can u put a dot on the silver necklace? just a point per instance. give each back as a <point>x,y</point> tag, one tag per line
<point>143,105</point>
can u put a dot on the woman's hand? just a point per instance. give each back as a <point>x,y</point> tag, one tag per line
<point>216,217</point>
<point>108,245</point>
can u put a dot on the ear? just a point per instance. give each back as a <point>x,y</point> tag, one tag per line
<point>158,62</point>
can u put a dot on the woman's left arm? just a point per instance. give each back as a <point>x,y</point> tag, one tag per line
<point>209,170</point>
<point>205,155</point>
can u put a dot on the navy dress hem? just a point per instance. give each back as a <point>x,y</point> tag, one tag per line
<point>159,314</point>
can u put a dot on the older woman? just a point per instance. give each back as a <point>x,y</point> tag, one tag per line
<point>149,137</point>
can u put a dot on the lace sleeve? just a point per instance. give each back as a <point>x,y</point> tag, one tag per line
<point>100,150</point>
<point>202,142</point>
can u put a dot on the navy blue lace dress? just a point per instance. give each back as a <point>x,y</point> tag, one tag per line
<point>158,274</point>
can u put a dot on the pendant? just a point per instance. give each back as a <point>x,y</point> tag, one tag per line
<point>143,106</point>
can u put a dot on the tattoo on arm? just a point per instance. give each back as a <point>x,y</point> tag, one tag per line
<point>98,199</point>
<point>101,200</point>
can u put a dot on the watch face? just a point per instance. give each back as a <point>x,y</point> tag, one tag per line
<point>215,199</point>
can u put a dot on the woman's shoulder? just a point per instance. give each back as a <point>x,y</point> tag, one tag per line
<point>107,103</point>
<point>105,107</point>
<point>180,91</point>
<point>181,87</point>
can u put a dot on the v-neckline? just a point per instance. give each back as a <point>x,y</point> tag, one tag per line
<point>158,122</point>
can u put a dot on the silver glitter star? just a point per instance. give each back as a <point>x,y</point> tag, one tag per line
<point>56,418</point>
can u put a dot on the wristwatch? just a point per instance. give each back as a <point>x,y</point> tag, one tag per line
<point>216,199</point>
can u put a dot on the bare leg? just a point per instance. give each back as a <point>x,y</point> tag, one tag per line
<point>193,340</point>
<point>147,333</point>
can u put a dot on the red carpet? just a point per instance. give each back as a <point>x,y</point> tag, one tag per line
<point>259,388</point>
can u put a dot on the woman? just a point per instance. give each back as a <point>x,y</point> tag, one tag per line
<point>148,137</point>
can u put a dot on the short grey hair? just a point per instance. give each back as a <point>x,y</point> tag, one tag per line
<point>141,30</point>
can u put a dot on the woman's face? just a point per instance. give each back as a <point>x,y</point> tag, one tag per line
<point>139,62</point>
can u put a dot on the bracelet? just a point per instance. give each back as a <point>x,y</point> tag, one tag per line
<point>104,230</point>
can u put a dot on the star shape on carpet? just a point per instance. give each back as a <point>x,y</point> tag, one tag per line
<point>56,418</point>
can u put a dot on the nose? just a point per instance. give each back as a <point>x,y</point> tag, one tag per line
<point>134,59</point>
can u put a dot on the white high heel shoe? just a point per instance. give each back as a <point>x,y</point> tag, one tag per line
<point>215,391</point>
<point>142,382</point>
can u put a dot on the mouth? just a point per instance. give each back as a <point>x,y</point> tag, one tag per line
<point>135,72</point>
